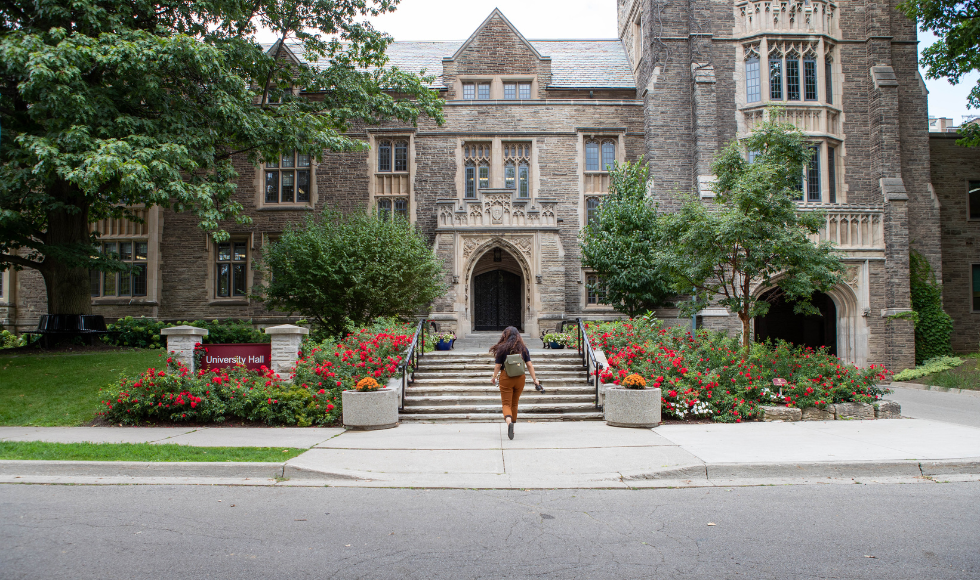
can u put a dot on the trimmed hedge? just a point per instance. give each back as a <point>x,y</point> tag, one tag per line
<point>145,332</point>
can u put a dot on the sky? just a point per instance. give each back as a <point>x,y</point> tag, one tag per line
<point>539,19</point>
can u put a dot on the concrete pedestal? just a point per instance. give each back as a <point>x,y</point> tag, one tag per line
<point>370,409</point>
<point>181,341</point>
<point>632,407</point>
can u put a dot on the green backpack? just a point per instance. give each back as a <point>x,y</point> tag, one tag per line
<point>514,365</point>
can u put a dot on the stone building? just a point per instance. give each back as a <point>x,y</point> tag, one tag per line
<point>503,188</point>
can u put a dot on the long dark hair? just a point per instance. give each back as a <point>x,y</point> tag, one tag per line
<point>510,342</point>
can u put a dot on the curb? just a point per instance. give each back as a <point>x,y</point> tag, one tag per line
<point>244,470</point>
<point>918,387</point>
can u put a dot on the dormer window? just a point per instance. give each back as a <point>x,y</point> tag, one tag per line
<point>510,91</point>
<point>469,91</point>
<point>524,90</point>
<point>484,91</point>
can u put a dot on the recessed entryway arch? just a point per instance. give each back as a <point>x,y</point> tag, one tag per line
<point>497,290</point>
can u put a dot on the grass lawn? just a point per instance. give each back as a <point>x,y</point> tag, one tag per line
<point>63,388</point>
<point>139,452</point>
<point>965,376</point>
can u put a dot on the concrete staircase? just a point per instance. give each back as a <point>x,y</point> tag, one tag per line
<point>455,386</point>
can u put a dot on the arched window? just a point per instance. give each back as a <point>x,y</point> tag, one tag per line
<point>753,83</point>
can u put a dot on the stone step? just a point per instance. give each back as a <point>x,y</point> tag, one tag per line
<point>496,417</point>
<point>484,374</point>
<point>463,367</point>
<point>537,399</point>
<point>478,390</point>
<point>495,408</point>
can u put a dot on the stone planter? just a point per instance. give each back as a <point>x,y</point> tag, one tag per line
<point>556,346</point>
<point>624,407</point>
<point>370,409</point>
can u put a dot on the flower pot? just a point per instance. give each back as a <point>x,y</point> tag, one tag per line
<point>444,344</point>
<point>370,409</point>
<point>555,345</point>
<point>624,407</point>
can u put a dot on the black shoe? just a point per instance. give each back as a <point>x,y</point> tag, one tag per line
<point>510,430</point>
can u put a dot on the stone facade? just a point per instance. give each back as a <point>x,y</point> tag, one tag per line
<point>530,125</point>
<point>953,169</point>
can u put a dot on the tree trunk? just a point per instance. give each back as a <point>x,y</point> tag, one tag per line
<point>67,284</point>
<point>746,321</point>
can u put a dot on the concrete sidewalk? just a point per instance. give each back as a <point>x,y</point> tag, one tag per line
<point>543,455</point>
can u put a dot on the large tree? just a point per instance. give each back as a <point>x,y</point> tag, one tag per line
<point>109,104</point>
<point>956,52</point>
<point>341,270</point>
<point>754,235</point>
<point>621,244</point>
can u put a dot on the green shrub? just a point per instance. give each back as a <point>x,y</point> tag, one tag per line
<point>933,365</point>
<point>145,332</point>
<point>934,328</point>
<point>11,340</point>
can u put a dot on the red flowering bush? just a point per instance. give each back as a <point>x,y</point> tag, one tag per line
<point>312,397</point>
<point>707,374</point>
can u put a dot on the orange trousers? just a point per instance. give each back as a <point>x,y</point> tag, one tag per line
<point>510,392</point>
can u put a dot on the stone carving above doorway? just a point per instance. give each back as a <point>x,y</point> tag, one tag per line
<point>497,209</point>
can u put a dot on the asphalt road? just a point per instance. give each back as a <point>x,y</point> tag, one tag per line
<point>938,406</point>
<point>793,532</point>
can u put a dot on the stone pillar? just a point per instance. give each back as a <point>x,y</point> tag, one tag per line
<point>181,341</point>
<point>286,341</point>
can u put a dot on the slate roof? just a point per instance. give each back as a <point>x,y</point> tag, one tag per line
<point>574,63</point>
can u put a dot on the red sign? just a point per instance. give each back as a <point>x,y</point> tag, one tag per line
<point>253,356</point>
<point>779,382</point>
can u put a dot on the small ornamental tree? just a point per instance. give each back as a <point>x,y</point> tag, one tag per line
<point>754,236</point>
<point>107,105</point>
<point>957,51</point>
<point>621,244</point>
<point>341,270</point>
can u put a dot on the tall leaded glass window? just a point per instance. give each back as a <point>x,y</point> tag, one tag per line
<point>810,76</point>
<point>828,64</point>
<point>484,175</point>
<point>510,175</point>
<point>775,75</point>
<point>288,180</point>
<point>591,156</point>
<point>484,91</point>
<point>523,179</point>
<point>831,174</point>
<point>470,177</point>
<point>753,86</point>
<point>813,175</point>
<point>793,76</point>
<point>591,209</point>
<point>608,155</point>
<point>230,264</point>
<point>476,159</point>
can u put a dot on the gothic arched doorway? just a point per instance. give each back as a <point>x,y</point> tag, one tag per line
<point>497,291</point>
<point>497,300</point>
<point>782,322</point>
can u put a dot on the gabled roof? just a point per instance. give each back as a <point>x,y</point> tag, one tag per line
<point>575,64</point>
<point>496,12</point>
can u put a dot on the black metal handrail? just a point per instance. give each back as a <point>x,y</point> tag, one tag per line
<point>410,361</point>
<point>589,360</point>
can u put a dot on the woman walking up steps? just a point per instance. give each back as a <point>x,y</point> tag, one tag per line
<point>511,357</point>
